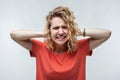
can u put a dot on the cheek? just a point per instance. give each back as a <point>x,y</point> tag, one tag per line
<point>67,32</point>
<point>52,34</point>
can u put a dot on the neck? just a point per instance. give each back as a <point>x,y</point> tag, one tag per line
<point>60,48</point>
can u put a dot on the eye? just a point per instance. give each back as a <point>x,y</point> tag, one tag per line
<point>56,27</point>
<point>64,27</point>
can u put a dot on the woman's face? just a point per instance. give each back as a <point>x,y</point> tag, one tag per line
<point>59,31</point>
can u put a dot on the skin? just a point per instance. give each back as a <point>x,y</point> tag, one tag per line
<point>59,34</point>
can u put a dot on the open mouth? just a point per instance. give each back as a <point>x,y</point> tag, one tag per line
<point>61,36</point>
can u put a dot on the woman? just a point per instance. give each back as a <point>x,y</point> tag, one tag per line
<point>61,56</point>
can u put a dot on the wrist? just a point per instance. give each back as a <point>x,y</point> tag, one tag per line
<point>84,32</point>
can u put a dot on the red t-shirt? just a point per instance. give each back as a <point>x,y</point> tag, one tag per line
<point>65,66</point>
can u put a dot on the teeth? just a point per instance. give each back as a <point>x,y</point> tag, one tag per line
<point>60,36</point>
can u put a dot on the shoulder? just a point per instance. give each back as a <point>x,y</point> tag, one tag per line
<point>37,42</point>
<point>83,41</point>
<point>84,45</point>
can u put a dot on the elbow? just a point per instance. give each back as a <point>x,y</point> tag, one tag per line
<point>109,33</point>
<point>12,34</point>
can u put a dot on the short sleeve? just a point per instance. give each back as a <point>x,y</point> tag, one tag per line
<point>89,52</point>
<point>36,44</point>
<point>85,45</point>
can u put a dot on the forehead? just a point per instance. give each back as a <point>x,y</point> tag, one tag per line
<point>57,21</point>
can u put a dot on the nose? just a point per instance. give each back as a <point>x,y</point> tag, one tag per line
<point>61,31</point>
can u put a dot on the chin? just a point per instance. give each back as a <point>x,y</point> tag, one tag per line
<point>60,43</point>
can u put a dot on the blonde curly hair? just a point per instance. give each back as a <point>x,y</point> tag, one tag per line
<point>68,17</point>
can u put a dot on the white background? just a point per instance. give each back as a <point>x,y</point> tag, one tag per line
<point>15,61</point>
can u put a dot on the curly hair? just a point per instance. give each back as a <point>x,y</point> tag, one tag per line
<point>68,17</point>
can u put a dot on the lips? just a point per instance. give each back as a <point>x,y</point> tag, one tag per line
<point>60,36</point>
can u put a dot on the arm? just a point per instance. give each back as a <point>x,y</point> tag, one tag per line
<point>23,37</point>
<point>97,36</point>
